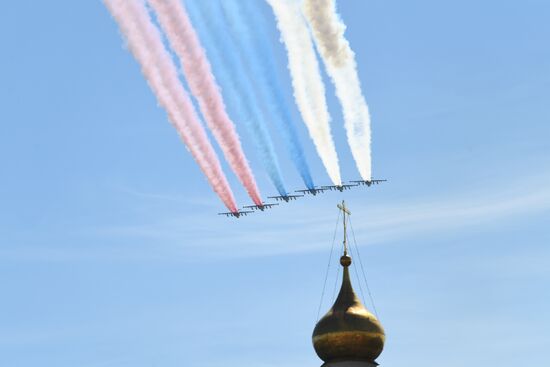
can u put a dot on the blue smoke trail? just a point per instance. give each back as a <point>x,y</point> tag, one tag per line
<point>209,22</point>
<point>250,32</point>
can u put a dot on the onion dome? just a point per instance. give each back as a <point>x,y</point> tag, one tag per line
<point>348,332</point>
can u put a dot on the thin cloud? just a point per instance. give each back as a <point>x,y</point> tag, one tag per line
<point>292,229</point>
<point>381,223</point>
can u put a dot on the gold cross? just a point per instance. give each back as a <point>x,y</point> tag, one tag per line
<point>345,210</point>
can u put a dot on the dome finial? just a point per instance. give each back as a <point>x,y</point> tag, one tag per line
<point>345,260</point>
<point>348,332</point>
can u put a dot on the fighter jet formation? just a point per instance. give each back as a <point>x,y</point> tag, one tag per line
<point>313,191</point>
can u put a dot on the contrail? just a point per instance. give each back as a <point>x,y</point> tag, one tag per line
<point>175,22</point>
<point>236,85</point>
<point>309,90</point>
<point>339,59</point>
<point>145,43</point>
<point>248,27</point>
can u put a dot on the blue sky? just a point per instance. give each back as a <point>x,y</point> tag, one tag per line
<point>111,253</point>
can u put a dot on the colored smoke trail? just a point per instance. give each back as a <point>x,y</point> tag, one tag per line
<point>175,22</point>
<point>232,76</point>
<point>249,29</point>
<point>309,90</point>
<point>339,59</point>
<point>145,43</point>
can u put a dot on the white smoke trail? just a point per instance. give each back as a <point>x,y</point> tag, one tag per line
<point>339,59</point>
<point>309,90</point>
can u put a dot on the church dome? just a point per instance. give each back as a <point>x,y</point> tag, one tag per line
<point>348,332</point>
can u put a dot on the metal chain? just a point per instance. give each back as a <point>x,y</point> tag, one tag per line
<point>328,266</point>
<point>357,274</point>
<point>336,283</point>
<point>363,271</point>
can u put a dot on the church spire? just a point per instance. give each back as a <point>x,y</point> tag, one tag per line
<point>348,333</point>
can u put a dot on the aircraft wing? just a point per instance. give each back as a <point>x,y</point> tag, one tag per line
<point>294,197</point>
<point>378,181</point>
<point>311,191</point>
<point>368,183</point>
<point>348,186</point>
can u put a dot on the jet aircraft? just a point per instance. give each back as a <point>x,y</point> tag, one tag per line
<point>314,191</point>
<point>237,214</point>
<point>368,182</point>
<point>339,187</point>
<point>286,198</point>
<point>261,207</point>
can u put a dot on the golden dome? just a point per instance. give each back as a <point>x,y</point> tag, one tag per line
<point>348,332</point>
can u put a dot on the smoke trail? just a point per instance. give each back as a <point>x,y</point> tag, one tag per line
<point>328,31</point>
<point>238,88</point>
<point>175,22</point>
<point>145,43</point>
<point>309,90</point>
<point>249,30</point>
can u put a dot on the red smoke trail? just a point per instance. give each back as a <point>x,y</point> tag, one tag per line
<point>144,41</point>
<point>176,24</point>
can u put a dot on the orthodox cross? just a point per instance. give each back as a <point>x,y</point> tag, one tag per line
<point>344,210</point>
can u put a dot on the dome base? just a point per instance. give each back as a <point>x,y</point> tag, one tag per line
<point>350,364</point>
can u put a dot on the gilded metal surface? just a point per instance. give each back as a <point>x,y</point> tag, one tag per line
<point>350,364</point>
<point>345,261</point>
<point>348,331</point>
<point>349,345</point>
